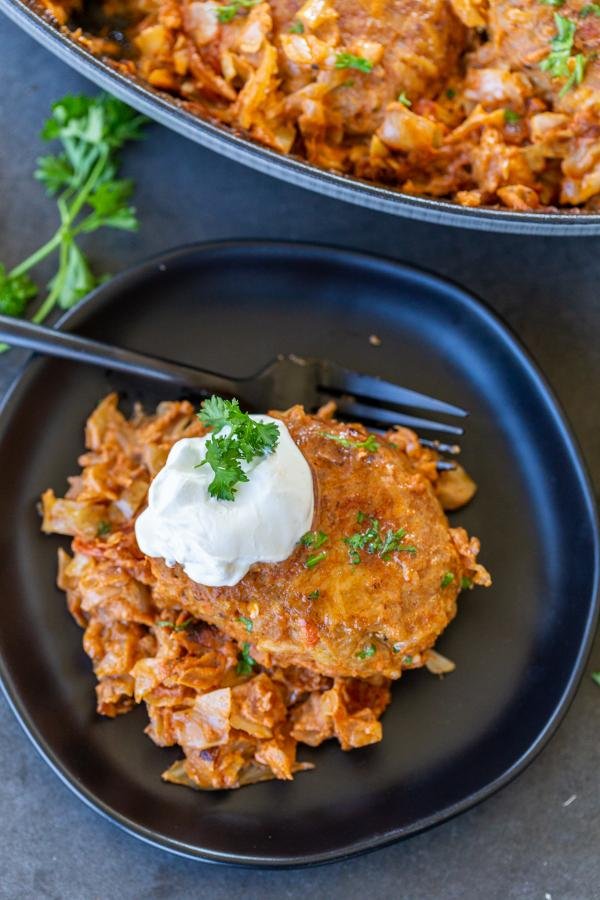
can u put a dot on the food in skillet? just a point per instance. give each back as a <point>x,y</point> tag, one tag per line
<point>280,572</point>
<point>487,102</point>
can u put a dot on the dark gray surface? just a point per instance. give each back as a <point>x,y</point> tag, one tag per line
<point>522,843</point>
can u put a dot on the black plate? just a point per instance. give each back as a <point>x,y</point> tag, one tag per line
<point>519,647</point>
<point>218,137</point>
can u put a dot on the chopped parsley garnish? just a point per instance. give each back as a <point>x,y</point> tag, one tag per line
<point>228,11</point>
<point>183,626</point>
<point>406,660</point>
<point>450,93</point>
<point>246,440</point>
<point>555,3</point>
<point>297,27</point>
<point>367,651</point>
<point>402,98</point>
<point>348,83</point>
<point>559,63</point>
<point>511,117</point>
<point>314,595</point>
<point>246,622</point>
<point>590,9</point>
<point>466,583</point>
<point>447,579</point>
<point>313,561</point>
<point>312,540</point>
<point>245,662</point>
<point>577,73</point>
<point>373,542</point>
<point>350,61</point>
<point>103,528</point>
<point>369,444</point>
<point>596,677</point>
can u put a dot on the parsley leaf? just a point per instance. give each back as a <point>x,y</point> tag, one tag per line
<point>367,651</point>
<point>313,539</point>
<point>447,579</point>
<point>245,662</point>
<point>296,27</point>
<point>555,3</point>
<point>369,444</point>
<point>559,63</point>
<point>314,595</point>
<point>577,73</point>
<point>350,61</point>
<point>103,528</point>
<point>402,98</point>
<point>228,11</point>
<point>15,292</point>
<point>246,622</point>
<point>182,626</point>
<point>246,440</point>
<point>465,583</point>
<point>511,117</point>
<point>590,9</point>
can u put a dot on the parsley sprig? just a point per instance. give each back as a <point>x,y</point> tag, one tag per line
<point>560,63</point>
<point>373,542</point>
<point>350,61</point>
<point>89,195</point>
<point>246,439</point>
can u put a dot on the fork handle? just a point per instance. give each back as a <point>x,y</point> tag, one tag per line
<point>51,342</point>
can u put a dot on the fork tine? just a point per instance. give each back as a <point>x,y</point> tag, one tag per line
<point>348,406</point>
<point>337,378</point>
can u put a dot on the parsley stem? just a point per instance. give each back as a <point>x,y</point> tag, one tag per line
<point>50,301</point>
<point>87,188</point>
<point>38,256</point>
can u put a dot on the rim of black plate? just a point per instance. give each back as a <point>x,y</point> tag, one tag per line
<point>476,306</point>
<point>169,112</point>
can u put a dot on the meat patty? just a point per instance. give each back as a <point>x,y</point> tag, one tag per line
<point>420,43</point>
<point>359,610</point>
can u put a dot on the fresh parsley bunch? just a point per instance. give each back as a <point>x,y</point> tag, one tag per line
<point>83,177</point>
<point>245,440</point>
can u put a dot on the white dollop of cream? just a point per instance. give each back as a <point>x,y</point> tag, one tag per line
<point>216,541</point>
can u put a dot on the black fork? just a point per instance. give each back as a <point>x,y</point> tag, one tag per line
<point>280,384</point>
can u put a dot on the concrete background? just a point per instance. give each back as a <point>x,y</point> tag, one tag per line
<point>528,842</point>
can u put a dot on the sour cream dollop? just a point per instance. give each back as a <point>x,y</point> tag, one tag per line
<point>216,541</point>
